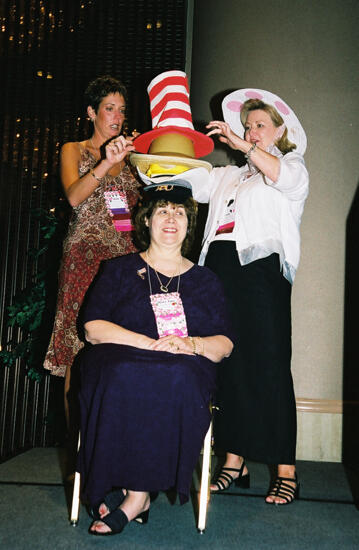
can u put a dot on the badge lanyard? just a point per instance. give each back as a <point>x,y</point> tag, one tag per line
<point>168,310</point>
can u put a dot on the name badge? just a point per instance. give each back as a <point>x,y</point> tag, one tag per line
<point>117,206</point>
<point>228,221</point>
<point>169,314</point>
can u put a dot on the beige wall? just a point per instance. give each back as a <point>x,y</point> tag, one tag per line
<point>306,51</point>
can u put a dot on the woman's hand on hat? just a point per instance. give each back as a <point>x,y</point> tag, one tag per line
<point>118,148</point>
<point>226,135</point>
<point>173,344</point>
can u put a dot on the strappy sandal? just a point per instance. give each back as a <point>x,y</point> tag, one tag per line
<point>117,521</point>
<point>112,501</point>
<point>284,490</point>
<point>225,480</point>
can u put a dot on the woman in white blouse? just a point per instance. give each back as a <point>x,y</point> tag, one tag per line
<point>252,242</point>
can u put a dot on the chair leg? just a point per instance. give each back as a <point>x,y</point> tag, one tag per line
<point>74,517</point>
<point>204,494</point>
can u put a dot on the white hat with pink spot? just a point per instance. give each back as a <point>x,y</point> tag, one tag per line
<point>233,103</point>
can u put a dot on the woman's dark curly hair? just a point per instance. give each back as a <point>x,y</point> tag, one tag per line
<point>144,211</point>
<point>100,88</point>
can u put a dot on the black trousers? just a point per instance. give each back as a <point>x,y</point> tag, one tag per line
<point>257,411</point>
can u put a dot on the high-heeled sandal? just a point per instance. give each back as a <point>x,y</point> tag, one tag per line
<point>225,480</point>
<point>142,518</point>
<point>112,501</point>
<point>117,521</point>
<point>281,489</point>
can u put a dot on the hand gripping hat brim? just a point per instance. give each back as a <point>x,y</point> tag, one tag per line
<point>202,144</point>
<point>233,103</point>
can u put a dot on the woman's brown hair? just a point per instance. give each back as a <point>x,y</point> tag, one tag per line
<point>143,213</point>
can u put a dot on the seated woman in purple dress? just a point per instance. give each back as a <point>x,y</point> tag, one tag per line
<point>158,327</point>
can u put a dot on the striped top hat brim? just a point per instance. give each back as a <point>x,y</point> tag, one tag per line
<point>171,113</point>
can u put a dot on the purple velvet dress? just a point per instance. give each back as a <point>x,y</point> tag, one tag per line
<point>144,414</point>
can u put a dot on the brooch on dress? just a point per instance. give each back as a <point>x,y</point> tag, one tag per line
<point>141,272</point>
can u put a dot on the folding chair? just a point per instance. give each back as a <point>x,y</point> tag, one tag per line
<point>204,493</point>
<point>75,506</point>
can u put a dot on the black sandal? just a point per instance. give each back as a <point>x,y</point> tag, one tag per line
<point>281,489</point>
<point>224,480</point>
<point>117,521</point>
<point>112,500</point>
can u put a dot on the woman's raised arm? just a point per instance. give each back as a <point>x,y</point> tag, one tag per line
<point>77,189</point>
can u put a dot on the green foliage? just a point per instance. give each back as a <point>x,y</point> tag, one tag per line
<point>27,309</point>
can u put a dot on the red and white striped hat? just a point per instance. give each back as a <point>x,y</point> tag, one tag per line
<point>171,114</point>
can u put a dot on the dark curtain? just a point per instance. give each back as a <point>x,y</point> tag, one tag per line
<point>49,51</point>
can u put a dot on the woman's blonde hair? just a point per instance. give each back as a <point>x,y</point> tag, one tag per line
<point>283,143</point>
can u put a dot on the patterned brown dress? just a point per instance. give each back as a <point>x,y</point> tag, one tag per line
<point>91,238</point>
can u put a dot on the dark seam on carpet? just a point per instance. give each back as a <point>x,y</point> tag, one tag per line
<point>329,501</point>
<point>32,484</point>
<point>248,495</point>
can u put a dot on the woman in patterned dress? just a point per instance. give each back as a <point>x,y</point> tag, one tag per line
<point>102,191</point>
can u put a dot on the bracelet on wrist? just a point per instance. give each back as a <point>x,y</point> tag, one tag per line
<point>250,151</point>
<point>94,176</point>
<point>193,342</point>
<point>202,350</point>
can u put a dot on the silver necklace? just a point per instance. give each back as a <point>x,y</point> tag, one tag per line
<point>163,287</point>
